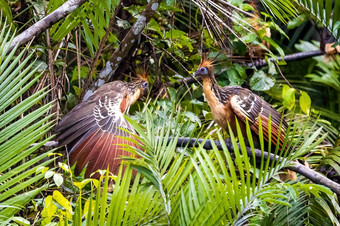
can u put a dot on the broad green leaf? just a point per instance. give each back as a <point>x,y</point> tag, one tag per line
<point>58,179</point>
<point>234,77</point>
<point>261,82</point>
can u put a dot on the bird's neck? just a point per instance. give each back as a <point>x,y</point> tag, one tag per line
<point>212,90</point>
<point>134,97</point>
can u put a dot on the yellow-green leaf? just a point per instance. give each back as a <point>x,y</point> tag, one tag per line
<point>82,184</point>
<point>49,209</point>
<point>305,102</point>
<point>61,200</point>
<point>288,96</point>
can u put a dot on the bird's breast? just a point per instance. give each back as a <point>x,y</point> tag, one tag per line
<point>222,113</point>
<point>134,97</point>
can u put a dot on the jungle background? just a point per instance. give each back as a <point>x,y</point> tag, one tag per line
<point>48,70</point>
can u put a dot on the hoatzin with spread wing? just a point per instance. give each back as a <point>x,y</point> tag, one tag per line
<point>93,130</point>
<point>234,102</point>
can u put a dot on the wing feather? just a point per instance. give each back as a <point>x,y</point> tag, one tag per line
<point>249,106</point>
<point>92,130</point>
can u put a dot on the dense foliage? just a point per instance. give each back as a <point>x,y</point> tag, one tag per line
<point>172,185</point>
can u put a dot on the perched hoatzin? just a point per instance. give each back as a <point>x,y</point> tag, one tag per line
<point>92,130</point>
<point>234,102</point>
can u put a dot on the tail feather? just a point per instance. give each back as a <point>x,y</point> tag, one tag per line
<point>100,150</point>
<point>275,130</point>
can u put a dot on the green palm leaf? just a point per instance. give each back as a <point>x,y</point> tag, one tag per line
<point>324,12</point>
<point>195,186</point>
<point>19,167</point>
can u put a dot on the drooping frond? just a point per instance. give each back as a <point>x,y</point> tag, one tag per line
<point>324,12</point>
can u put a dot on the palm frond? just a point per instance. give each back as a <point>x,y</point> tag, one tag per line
<point>19,169</point>
<point>328,74</point>
<point>93,24</point>
<point>324,12</point>
<point>315,208</point>
<point>218,17</point>
<point>133,201</point>
<point>332,159</point>
<point>214,187</point>
<point>283,9</point>
<point>189,186</point>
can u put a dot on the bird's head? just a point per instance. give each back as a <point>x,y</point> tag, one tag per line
<point>139,86</point>
<point>142,80</point>
<point>205,69</point>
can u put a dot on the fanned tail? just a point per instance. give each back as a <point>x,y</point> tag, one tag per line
<point>100,150</point>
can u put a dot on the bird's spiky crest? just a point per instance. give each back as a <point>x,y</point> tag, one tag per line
<point>142,74</point>
<point>206,63</point>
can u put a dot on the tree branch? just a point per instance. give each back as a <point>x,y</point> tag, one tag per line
<point>260,63</point>
<point>124,47</point>
<point>287,58</point>
<point>294,166</point>
<point>40,26</point>
<point>99,51</point>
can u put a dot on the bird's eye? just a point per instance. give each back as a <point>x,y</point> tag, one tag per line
<point>202,71</point>
<point>145,84</point>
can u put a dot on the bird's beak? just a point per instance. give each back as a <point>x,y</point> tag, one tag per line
<point>197,73</point>
<point>145,92</point>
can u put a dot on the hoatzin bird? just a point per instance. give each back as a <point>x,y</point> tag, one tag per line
<point>234,102</point>
<point>92,130</point>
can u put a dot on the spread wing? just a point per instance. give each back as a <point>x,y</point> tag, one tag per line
<point>92,130</point>
<point>248,105</point>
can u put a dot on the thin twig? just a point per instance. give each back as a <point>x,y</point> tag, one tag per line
<point>278,68</point>
<point>261,63</point>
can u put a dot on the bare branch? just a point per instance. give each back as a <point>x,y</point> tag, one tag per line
<point>99,51</point>
<point>290,57</point>
<point>261,63</point>
<point>39,27</point>
<point>124,47</point>
<point>294,166</point>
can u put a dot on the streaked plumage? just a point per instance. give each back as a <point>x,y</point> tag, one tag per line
<point>230,102</point>
<point>92,130</point>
